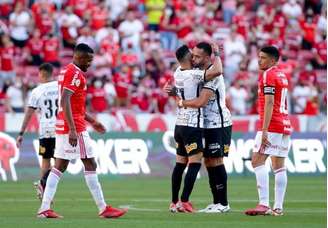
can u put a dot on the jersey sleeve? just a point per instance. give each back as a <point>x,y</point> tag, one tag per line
<point>72,80</point>
<point>212,85</point>
<point>269,83</point>
<point>33,101</point>
<point>199,75</point>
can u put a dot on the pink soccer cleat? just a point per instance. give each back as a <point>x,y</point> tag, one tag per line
<point>185,207</point>
<point>111,212</point>
<point>173,207</point>
<point>259,210</point>
<point>48,214</point>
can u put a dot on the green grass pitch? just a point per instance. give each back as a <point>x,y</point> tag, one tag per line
<point>149,197</point>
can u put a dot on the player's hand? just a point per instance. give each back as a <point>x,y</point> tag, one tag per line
<point>215,47</point>
<point>98,127</point>
<point>19,141</point>
<point>72,138</point>
<point>264,141</point>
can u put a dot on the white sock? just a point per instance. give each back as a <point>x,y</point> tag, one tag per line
<point>280,187</point>
<point>91,178</point>
<point>51,187</point>
<point>262,180</point>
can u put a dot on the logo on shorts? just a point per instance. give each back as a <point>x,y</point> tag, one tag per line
<point>226,149</point>
<point>42,150</point>
<point>214,146</point>
<point>191,147</point>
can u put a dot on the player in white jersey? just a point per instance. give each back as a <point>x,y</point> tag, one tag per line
<point>217,129</point>
<point>44,99</point>
<point>188,131</point>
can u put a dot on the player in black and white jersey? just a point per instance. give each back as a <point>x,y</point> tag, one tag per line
<point>217,128</point>
<point>44,100</point>
<point>188,131</point>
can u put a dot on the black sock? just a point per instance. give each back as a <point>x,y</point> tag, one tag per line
<point>44,178</point>
<point>176,180</point>
<point>221,184</point>
<point>189,181</point>
<point>212,181</point>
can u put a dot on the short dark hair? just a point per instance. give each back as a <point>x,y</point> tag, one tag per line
<point>271,51</point>
<point>83,48</point>
<point>206,47</point>
<point>181,52</point>
<point>47,67</point>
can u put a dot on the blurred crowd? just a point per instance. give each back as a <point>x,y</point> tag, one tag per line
<point>135,40</point>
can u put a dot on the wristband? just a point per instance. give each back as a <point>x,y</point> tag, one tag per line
<point>21,133</point>
<point>216,53</point>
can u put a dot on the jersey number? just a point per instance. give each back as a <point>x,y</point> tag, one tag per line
<point>52,109</point>
<point>283,101</point>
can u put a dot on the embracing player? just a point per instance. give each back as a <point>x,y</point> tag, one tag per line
<point>72,139</point>
<point>188,132</point>
<point>44,99</point>
<point>273,139</point>
<point>217,128</point>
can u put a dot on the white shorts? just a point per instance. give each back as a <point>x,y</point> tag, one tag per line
<point>83,149</point>
<point>280,144</point>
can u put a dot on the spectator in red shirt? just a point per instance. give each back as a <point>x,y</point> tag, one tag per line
<point>122,81</point>
<point>34,48</point>
<point>241,21</point>
<point>168,29</point>
<point>51,50</point>
<point>320,53</point>
<point>140,101</point>
<point>7,71</point>
<point>97,96</point>
<point>81,7</point>
<point>99,15</point>
<point>308,29</point>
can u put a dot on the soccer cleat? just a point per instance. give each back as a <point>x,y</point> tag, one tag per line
<point>208,208</point>
<point>111,212</point>
<point>173,207</point>
<point>48,214</point>
<point>39,190</point>
<point>277,212</point>
<point>185,207</point>
<point>219,208</point>
<point>259,210</point>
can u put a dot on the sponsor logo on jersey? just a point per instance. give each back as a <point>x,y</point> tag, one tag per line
<point>226,149</point>
<point>191,147</point>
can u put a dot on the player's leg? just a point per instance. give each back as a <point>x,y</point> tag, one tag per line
<point>91,178</point>
<point>51,188</point>
<point>193,168</point>
<point>280,173</point>
<point>262,178</point>
<point>176,179</point>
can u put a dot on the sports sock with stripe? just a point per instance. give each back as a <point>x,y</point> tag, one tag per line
<point>262,180</point>
<point>221,184</point>
<point>176,180</point>
<point>91,178</point>
<point>189,180</point>
<point>212,182</point>
<point>280,187</point>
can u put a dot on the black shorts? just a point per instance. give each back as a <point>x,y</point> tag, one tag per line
<point>217,142</point>
<point>47,147</point>
<point>189,140</point>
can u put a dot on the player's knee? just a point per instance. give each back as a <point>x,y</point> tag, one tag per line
<point>90,164</point>
<point>196,158</point>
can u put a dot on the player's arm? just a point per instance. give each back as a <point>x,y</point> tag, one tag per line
<point>28,115</point>
<point>94,123</point>
<point>217,68</point>
<point>65,103</point>
<point>268,110</point>
<point>198,102</point>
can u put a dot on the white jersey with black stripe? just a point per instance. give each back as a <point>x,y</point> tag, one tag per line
<point>216,113</point>
<point>44,98</point>
<point>187,83</point>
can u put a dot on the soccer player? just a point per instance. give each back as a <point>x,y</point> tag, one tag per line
<point>274,137</point>
<point>44,98</point>
<point>217,128</point>
<point>188,132</point>
<point>72,139</point>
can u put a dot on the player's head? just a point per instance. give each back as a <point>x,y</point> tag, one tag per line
<point>201,54</point>
<point>83,56</point>
<point>268,57</point>
<point>183,55</point>
<point>45,72</point>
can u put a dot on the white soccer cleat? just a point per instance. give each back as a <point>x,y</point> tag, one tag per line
<point>208,208</point>
<point>219,208</point>
<point>277,212</point>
